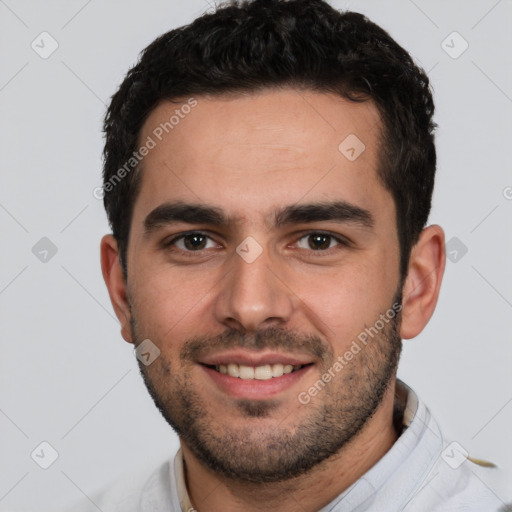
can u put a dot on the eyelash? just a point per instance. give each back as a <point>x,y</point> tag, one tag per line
<point>313,253</point>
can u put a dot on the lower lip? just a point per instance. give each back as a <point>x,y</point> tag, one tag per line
<point>255,389</point>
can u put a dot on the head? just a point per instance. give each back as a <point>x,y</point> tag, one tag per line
<point>268,177</point>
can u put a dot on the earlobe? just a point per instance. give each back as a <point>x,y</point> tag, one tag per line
<point>423,282</point>
<point>116,284</point>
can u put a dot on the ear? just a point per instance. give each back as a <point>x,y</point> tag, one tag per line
<point>116,284</point>
<point>423,282</point>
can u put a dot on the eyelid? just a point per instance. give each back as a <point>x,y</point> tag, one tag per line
<point>179,236</point>
<point>342,240</point>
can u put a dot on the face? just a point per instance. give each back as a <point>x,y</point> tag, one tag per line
<point>260,255</point>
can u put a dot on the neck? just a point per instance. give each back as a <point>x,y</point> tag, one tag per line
<point>211,492</point>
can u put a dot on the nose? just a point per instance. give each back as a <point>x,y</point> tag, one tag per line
<point>253,295</point>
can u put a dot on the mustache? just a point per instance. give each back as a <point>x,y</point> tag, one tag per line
<point>272,338</point>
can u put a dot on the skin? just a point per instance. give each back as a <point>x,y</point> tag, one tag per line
<point>250,156</point>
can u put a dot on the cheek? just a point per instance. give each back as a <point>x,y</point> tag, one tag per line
<point>168,301</point>
<point>345,302</point>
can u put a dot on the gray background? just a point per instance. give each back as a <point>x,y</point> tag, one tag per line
<point>66,375</point>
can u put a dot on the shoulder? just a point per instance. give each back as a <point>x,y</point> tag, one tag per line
<point>143,490</point>
<point>448,480</point>
<point>457,485</point>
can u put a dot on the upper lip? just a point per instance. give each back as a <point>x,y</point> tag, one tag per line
<point>254,358</point>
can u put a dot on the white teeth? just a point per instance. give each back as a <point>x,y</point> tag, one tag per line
<point>264,372</point>
<point>234,370</point>
<point>277,370</point>
<point>246,372</point>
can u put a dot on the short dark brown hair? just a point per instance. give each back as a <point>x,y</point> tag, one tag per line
<point>262,44</point>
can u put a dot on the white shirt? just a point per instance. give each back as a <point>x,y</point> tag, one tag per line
<point>420,473</point>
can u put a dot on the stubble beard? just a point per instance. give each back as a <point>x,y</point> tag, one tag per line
<point>264,450</point>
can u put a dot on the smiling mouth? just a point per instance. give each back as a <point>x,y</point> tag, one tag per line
<point>264,372</point>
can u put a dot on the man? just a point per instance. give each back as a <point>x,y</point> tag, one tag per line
<point>268,178</point>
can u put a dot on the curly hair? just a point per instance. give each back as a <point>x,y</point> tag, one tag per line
<point>252,45</point>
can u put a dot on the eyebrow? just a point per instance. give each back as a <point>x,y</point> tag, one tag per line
<point>169,213</point>
<point>335,211</point>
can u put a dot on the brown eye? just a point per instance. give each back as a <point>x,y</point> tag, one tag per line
<point>318,241</point>
<point>191,242</point>
<point>194,242</point>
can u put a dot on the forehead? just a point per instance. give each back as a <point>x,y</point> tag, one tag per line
<point>258,150</point>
